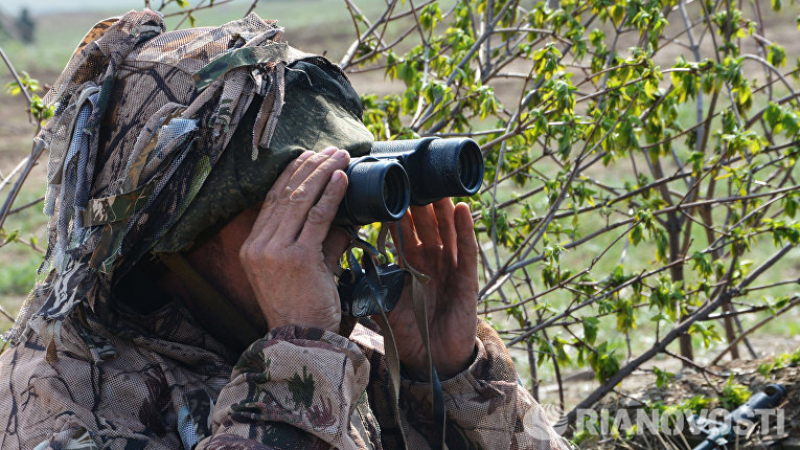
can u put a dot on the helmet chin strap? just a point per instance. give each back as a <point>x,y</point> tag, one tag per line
<point>230,326</point>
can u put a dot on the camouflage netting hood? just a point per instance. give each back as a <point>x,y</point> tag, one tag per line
<point>161,136</point>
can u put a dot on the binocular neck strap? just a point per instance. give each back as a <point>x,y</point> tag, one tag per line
<point>390,347</point>
<point>420,317</point>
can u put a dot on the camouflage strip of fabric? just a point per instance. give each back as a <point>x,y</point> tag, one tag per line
<point>278,100</point>
<point>105,245</point>
<point>83,441</point>
<point>55,171</point>
<point>162,135</point>
<point>201,173</point>
<point>170,136</point>
<point>261,119</point>
<point>118,207</point>
<point>200,405</point>
<point>94,34</point>
<point>249,56</point>
<point>87,61</point>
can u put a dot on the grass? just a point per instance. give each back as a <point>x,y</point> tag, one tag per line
<point>18,279</point>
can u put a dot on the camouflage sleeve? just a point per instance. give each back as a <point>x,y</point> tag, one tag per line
<point>295,389</point>
<point>486,406</point>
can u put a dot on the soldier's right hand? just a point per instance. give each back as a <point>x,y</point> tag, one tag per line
<point>292,252</point>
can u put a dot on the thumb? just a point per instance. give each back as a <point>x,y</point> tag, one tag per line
<point>334,246</point>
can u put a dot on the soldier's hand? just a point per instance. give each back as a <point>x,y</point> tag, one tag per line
<point>439,241</point>
<point>292,252</point>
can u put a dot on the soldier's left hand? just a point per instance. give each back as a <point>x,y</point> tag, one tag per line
<point>439,241</point>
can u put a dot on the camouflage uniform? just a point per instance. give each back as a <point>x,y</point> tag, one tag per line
<point>139,167</point>
<point>166,384</point>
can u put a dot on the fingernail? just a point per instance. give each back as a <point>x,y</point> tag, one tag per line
<point>329,151</point>
<point>340,154</point>
<point>337,176</point>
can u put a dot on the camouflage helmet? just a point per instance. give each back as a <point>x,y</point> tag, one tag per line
<point>161,137</point>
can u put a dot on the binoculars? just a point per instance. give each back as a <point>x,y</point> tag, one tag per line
<point>381,187</point>
<point>417,172</point>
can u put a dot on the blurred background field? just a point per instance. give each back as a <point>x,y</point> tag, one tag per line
<point>325,27</point>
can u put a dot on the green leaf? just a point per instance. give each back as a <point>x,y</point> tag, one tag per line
<point>790,205</point>
<point>603,362</point>
<point>429,16</point>
<point>12,237</point>
<point>637,234</point>
<point>12,87</point>
<point>39,110</point>
<point>773,114</point>
<point>702,264</point>
<point>626,317</point>
<point>662,377</point>
<point>790,124</point>
<point>408,73</point>
<point>590,326</point>
<point>31,84</point>
<point>707,333</point>
<point>733,395</point>
<point>662,246</point>
<point>651,89</point>
<point>560,353</point>
<point>776,54</point>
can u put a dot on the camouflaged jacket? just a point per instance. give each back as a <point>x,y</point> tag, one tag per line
<point>167,384</point>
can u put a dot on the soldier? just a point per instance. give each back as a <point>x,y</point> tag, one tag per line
<point>191,300</point>
<point>26,26</point>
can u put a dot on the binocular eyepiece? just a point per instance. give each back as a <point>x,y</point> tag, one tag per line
<point>417,172</point>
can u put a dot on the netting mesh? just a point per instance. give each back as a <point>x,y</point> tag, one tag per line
<point>132,140</point>
<point>131,400</point>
